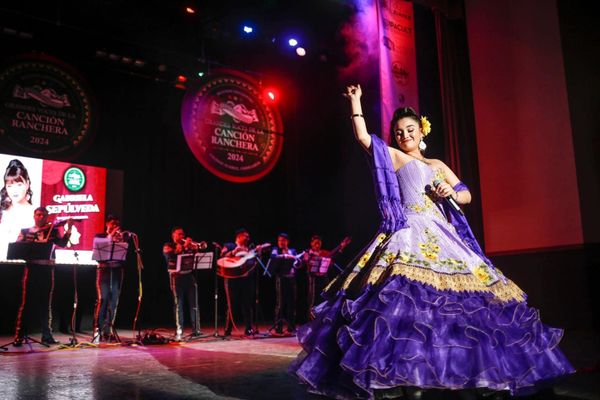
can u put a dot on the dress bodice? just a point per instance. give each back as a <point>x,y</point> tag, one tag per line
<point>413,179</point>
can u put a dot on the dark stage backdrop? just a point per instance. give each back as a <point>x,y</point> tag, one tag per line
<point>321,183</point>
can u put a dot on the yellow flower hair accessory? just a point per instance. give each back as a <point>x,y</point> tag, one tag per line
<point>425,125</point>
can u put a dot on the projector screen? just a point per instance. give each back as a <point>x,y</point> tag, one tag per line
<point>67,190</point>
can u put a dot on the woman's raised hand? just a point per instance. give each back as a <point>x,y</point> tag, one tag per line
<point>353,92</point>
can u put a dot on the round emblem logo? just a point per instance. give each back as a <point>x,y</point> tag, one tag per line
<point>231,128</point>
<point>44,108</point>
<point>74,179</point>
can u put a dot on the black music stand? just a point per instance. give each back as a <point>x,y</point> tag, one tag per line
<point>106,250</point>
<point>194,262</point>
<point>33,253</point>
<point>280,265</point>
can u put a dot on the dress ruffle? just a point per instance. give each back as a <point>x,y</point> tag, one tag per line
<point>405,333</point>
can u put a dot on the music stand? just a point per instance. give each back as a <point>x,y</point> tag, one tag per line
<point>30,251</point>
<point>33,253</point>
<point>112,253</point>
<point>105,250</point>
<point>280,266</point>
<point>319,265</point>
<point>194,262</point>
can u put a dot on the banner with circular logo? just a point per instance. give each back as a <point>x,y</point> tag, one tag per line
<point>45,107</point>
<point>231,128</point>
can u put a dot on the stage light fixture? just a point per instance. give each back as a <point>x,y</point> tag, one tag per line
<point>248,29</point>
<point>293,42</point>
<point>271,94</point>
<point>127,60</point>
<point>114,57</point>
<point>139,63</point>
<point>190,10</point>
<point>181,78</point>
<point>301,51</point>
<point>200,74</point>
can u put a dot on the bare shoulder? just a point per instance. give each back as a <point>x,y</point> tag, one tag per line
<point>435,163</point>
<point>398,158</point>
<point>449,175</point>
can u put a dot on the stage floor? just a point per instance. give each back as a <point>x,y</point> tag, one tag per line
<point>207,368</point>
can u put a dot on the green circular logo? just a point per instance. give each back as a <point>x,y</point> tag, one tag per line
<point>74,179</point>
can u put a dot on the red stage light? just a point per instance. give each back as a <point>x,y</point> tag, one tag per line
<point>181,79</point>
<point>271,94</point>
<point>190,10</point>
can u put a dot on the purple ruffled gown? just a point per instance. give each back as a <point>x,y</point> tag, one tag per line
<point>422,306</point>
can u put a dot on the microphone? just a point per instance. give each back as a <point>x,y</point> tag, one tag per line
<point>448,199</point>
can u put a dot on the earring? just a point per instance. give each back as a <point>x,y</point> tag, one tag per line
<point>422,145</point>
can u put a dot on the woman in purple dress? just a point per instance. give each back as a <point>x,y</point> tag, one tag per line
<point>422,306</point>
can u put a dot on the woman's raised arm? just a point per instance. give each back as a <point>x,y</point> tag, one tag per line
<point>353,93</point>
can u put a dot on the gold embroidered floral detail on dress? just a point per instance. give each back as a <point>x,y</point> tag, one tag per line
<point>364,259</point>
<point>454,265</point>
<point>430,248</point>
<point>438,175</point>
<point>388,257</point>
<point>427,205</point>
<point>482,272</point>
<point>375,274</point>
<point>459,282</point>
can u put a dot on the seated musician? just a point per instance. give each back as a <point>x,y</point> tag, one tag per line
<point>239,291</point>
<point>109,280</point>
<point>285,285</point>
<point>183,282</point>
<point>38,279</point>
<point>317,275</point>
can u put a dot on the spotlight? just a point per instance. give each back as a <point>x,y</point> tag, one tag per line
<point>139,63</point>
<point>114,57</point>
<point>300,51</point>
<point>190,10</point>
<point>293,42</point>
<point>248,29</point>
<point>200,74</point>
<point>181,78</point>
<point>127,60</point>
<point>272,94</point>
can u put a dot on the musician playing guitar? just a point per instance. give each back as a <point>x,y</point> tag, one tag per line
<point>285,285</point>
<point>317,261</point>
<point>38,280</point>
<point>239,291</point>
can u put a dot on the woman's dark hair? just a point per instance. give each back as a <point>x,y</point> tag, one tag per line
<point>403,112</point>
<point>15,172</point>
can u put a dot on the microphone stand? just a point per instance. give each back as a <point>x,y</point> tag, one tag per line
<point>73,341</point>
<point>216,295</point>
<point>137,339</point>
<point>257,307</point>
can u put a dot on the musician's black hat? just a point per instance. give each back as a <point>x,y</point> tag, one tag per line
<point>283,235</point>
<point>240,231</point>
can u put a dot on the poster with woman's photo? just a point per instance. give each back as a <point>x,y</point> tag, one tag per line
<point>68,191</point>
<point>19,196</point>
